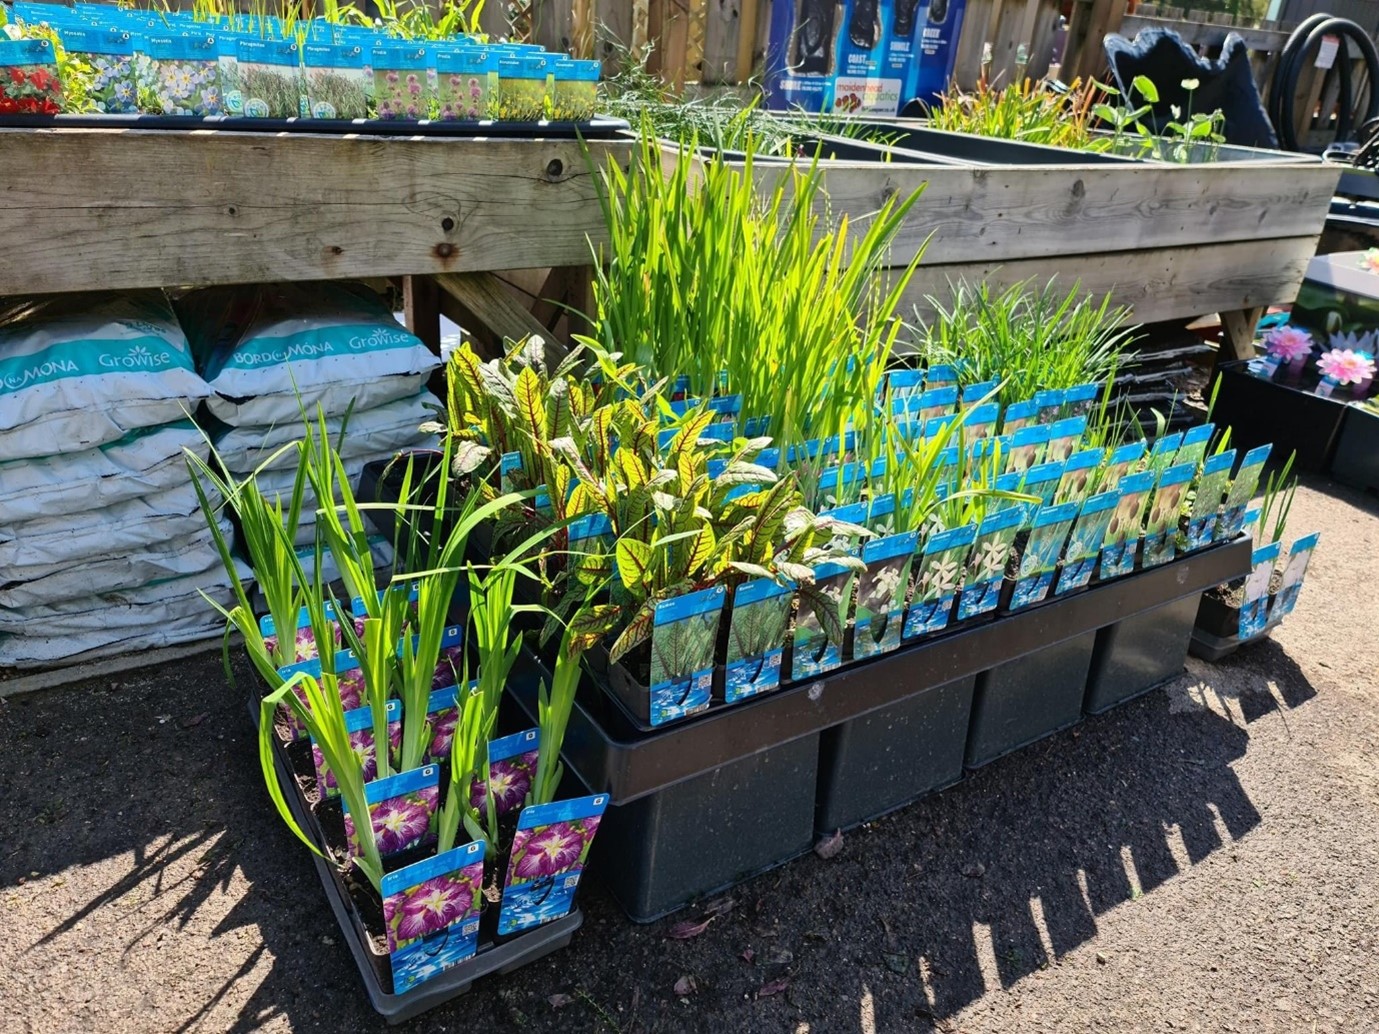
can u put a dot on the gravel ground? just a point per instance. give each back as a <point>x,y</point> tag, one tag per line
<point>1202,859</point>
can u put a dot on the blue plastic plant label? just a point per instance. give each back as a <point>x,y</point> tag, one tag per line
<point>1161,526</point>
<point>1211,487</point>
<point>442,716</point>
<point>1250,521</point>
<point>940,576</point>
<point>937,401</point>
<point>844,521</point>
<point>1027,447</point>
<point>1039,561</point>
<point>1193,449</point>
<point>1121,461</point>
<point>1049,404</point>
<point>975,392</point>
<point>349,678</point>
<point>941,374</point>
<point>306,638</point>
<point>1123,534</point>
<point>1254,605</point>
<point>1079,399</point>
<point>1165,448</point>
<point>1019,415</point>
<point>1077,474</point>
<point>1043,480</point>
<point>511,769</point>
<point>815,650</point>
<point>756,426</point>
<point>935,426</point>
<point>1299,555</point>
<point>1084,544</point>
<point>880,518</point>
<point>431,913</point>
<point>509,464</point>
<point>1064,437</point>
<point>980,421</point>
<point>986,569</point>
<point>548,856</point>
<point>359,726</point>
<point>903,384</point>
<point>881,594</point>
<point>683,636</point>
<point>1242,490</point>
<point>756,638</point>
<point>402,809</point>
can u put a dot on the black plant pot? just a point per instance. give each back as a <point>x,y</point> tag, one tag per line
<point>1022,701</point>
<point>1137,654</point>
<point>1216,633</point>
<point>886,759</point>
<point>1356,462</point>
<point>1260,412</point>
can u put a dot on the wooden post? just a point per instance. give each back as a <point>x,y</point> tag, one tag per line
<point>422,307</point>
<point>491,313</point>
<point>747,39</point>
<point>1238,333</point>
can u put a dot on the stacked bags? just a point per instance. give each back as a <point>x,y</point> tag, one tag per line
<point>103,547</point>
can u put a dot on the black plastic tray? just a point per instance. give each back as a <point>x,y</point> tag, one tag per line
<point>1140,653</point>
<point>611,757</point>
<point>596,129</point>
<point>1356,460</point>
<point>1260,412</point>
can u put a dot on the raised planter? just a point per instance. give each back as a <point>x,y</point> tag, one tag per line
<point>1260,411</point>
<point>1140,653</point>
<point>1356,459</point>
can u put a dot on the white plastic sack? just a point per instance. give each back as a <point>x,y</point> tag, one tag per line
<point>370,433</point>
<point>142,609</point>
<point>270,350</point>
<point>78,372</point>
<point>43,651</point>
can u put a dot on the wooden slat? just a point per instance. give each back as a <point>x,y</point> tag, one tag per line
<point>488,303</point>
<point>150,208</point>
<point>967,66</point>
<point>1159,284</point>
<point>613,32</point>
<point>720,41</point>
<point>1041,44</point>
<point>1238,332</point>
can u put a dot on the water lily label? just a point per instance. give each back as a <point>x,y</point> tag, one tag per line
<point>683,637</point>
<point>431,914</point>
<point>1242,491</point>
<point>940,575</point>
<point>1120,461</point>
<point>403,810</point>
<point>511,767</point>
<point>881,593</point>
<point>1211,487</point>
<point>756,638</point>
<point>1161,527</point>
<point>548,856</point>
<point>1040,558</point>
<point>1299,554</point>
<point>1084,545</point>
<point>987,568</point>
<point>1254,605</point>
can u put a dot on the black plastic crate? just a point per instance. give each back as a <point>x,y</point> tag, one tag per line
<point>1356,460</point>
<point>1137,654</point>
<point>1260,412</point>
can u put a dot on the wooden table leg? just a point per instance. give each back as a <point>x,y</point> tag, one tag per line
<point>1238,334</point>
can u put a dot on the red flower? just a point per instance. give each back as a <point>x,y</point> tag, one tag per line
<point>8,106</point>
<point>16,75</point>
<point>51,107</point>
<point>43,80</point>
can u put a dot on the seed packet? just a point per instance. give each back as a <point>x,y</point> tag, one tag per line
<point>1254,606</point>
<point>818,638</point>
<point>402,85</point>
<point>1049,403</point>
<point>1064,436</point>
<point>683,636</point>
<point>511,769</point>
<point>270,78</point>
<point>1242,490</point>
<point>980,421</point>
<point>1039,561</point>
<point>186,74</point>
<point>937,401</point>
<point>756,638</point>
<point>1019,415</point>
<point>576,90</point>
<point>1120,463</point>
<point>1080,399</point>
<point>942,374</point>
<point>431,912</point>
<point>1211,486</point>
<point>359,725</point>
<point>548,856</point>
<point>1193,448</point>
<point>1299,555</point>
<point>110,53</point>
<point>940,575</point>
<point>904,384</point>
<point>986,570</point>
<point>338,80</point>
<point>29,83</point>
<point>466,82</point>
<point>881,594</point>
<point>1084,544</point>
<point>974,393</point>
<point>523,85</point>
<point>1077,473</point>
<point>402,809</point>
<point>1123,534</point>
<point>1161,526</point>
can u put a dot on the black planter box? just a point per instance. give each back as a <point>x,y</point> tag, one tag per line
<point>1216,633</point>
<point>1260,411</point>
<point>1140,653</point>
<point>1356,461</point>
<point>884,760</point>
<point>1024,700</point>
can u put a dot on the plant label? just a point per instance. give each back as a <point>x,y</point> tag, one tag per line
<point>1123,534</point>
<point>431,914</point>
<point>402,809</point>
<point>1254,606</point>
<point>987,568</point>
<point>756,638</point>
<point>683,636</point>
<point>548,857</point>
<point>1040,559</point>
<point>940,575</point>
<point>1299,555</point>
<point>1161,527</point>
<point>1211,488</point>
<point>881,594</point>
<point>1084,545</point>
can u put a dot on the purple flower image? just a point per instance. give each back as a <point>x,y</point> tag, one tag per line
<point>392,77</point>
<point>547,850</point>
<point>443,733</point>
<point>414,88</point>
<point>510,780</point>
<point>430,906</point>
<point>448,666</point>
<point>456,81</point>
<point>352,689</point>
<point>362,744</point>
<point>399,822</point>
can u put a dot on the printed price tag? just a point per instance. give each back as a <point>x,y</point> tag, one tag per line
<point>1326,54</point>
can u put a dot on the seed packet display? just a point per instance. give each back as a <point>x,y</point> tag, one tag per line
<point>987,567</point>
<point>1040,558</point>
<point>401,81</point>
<point>110,53</point>
<point>1211,486</point>
<point>548,856</point>
<point>1121,461</point>
<point>29,83</point>
<point>756,638</point>
<point>1049,403</point>
<point>1077,474</point>
<point>1123,534</point>
<point>1079,399</point>
<point>1254,606</point>
<point>940,575</point>
<point>1242,490</point>
<point>511,768</point>
<point>683,635</point>
<point>881,594</point>
<point>576,90</point>
<point>466,82</point>
<point>186,72</point>
<point>1019,415</point>
<point>1084,544</point>
<point>431,912</point>
<point>1028,446</point>
<point>269,78</point>
<point>403,810</point>
<point>1194,445</point>
<point>1064,436</point>
<point>523,81</point>
<point>359,726</point>
<point>1161,526</point>
<point>338,81</point>
<point>1299,555</point>
<point>815,651</point>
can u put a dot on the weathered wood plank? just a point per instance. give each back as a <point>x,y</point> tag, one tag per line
<point>1238,333</point>
<point>967,66</point>
<point>720,41</point>
<point>148,208</point>
<point>488,302</point>
<point>1159,284</point>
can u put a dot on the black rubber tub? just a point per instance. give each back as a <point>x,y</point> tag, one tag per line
<point>1260,411</point>
<point>1140,653</point>
<point>1356,460</point>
